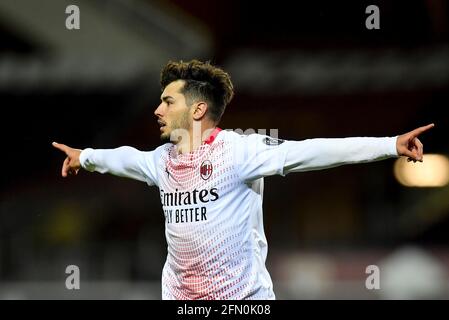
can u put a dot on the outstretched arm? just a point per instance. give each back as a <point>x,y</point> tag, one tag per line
<point>264,159</point>
<point>123,162</point>
<point>317,154</point>
<point>327,153</point>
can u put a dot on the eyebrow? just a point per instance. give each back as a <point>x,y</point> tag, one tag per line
<point>165,98</point>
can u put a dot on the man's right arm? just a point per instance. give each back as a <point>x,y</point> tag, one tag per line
<point>123,161</point>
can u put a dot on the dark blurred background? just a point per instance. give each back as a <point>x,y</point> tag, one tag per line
<point>308,69</point>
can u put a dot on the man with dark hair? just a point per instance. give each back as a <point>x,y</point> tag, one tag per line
<point>202,82</point>
<point>211,182</point>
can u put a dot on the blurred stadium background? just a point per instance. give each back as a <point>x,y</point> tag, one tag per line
<point>308,69</point>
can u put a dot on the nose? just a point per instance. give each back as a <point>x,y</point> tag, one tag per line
<point>158,111</point>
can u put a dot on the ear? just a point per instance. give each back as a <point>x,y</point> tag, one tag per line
<point>199,110</point>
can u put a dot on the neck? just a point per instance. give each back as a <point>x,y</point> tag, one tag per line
<point>197,134</point>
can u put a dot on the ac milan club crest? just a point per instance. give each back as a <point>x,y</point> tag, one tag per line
<point>206,169</point>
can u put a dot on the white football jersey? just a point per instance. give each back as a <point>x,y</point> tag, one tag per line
<point>212,203</point>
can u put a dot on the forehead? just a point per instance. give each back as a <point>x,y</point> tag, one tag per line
<point>173,89</point>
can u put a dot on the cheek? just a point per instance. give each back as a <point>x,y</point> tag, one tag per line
<point>180,118</point>
<point>171,119</point>
<point>187,118</point>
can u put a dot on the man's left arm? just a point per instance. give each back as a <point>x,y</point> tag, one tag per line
<point>316,154</point>
<point>260,156</point>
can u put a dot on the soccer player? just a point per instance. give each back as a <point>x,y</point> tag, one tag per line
<point>211,182</point>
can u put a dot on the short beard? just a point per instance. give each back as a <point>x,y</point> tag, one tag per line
<point>165,138</point>
<point>182,123</point>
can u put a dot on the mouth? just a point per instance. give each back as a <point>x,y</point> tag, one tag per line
<point>162,124</point>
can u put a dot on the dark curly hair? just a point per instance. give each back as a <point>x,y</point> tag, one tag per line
<point>203,81</point>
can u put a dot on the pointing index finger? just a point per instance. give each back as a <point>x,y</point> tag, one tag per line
<point>420,130</point>
<point>60,146</point>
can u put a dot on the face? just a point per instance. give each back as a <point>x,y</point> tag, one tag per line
<point>173,112</point>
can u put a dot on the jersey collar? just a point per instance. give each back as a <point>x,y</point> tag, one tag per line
<point>212,136</point>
